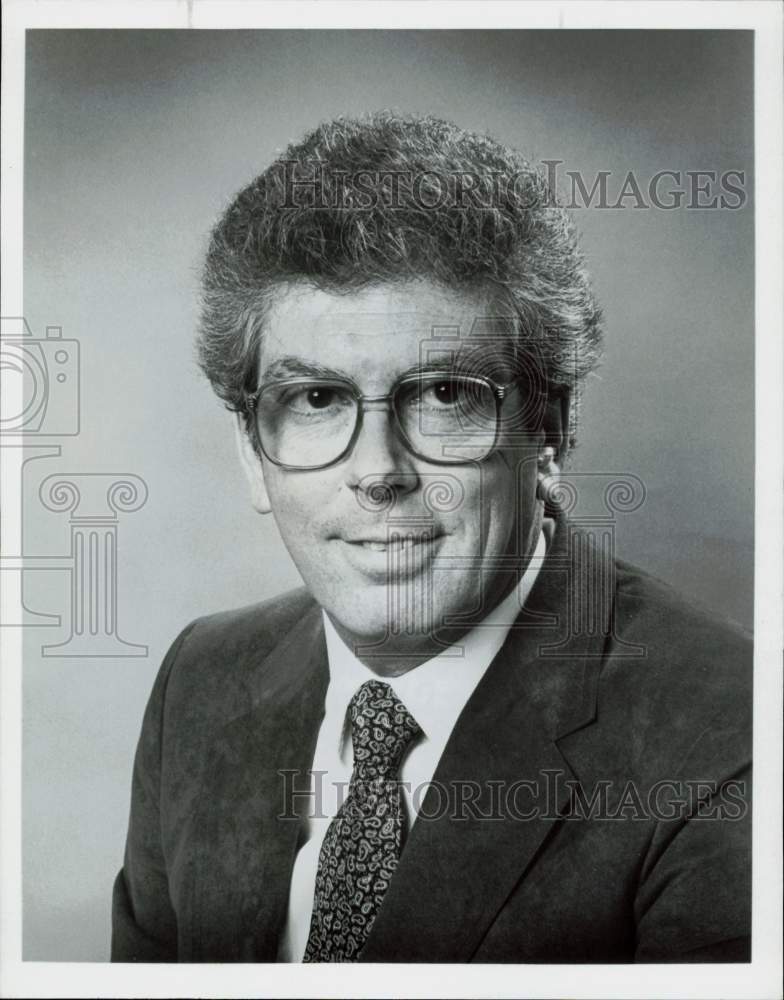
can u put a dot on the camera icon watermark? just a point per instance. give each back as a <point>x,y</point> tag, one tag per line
<point>48,373</point>
<point>41,401</point>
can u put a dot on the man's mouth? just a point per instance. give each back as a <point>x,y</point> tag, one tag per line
<point>399,552</point>
<point>394,543</point>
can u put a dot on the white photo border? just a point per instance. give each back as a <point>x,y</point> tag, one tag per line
<point>760,978</point>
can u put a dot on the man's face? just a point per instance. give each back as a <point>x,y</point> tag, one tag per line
<point>336,521</point>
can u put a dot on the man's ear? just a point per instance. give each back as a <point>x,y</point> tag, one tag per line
<point>251,464</point>
<point>556,425</point>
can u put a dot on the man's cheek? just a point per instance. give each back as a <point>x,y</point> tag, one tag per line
<point>294,519</point>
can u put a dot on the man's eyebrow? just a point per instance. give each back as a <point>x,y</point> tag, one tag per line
<point>293,367</point>
<point>451,367</point>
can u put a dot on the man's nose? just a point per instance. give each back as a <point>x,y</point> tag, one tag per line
<point>379,457</point>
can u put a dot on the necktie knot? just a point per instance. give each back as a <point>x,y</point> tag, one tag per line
<point>382,728</point>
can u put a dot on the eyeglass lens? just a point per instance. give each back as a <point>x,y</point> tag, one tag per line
<point>441,418</point>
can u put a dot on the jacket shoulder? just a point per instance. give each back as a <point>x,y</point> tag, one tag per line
<point>252,628</point>
<point>210,665</point>
<point>650,609</point>
<point>675,672</point>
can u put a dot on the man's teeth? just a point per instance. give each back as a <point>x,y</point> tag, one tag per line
<point>396,543</point>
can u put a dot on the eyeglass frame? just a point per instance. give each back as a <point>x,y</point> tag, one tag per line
<point>500,392</point>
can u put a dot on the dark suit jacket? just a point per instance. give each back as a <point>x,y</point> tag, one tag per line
<point>608,681</point>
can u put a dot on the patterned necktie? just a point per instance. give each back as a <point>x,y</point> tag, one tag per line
<point>362,845</point>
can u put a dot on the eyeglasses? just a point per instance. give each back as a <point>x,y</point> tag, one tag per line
<point>441,417</point>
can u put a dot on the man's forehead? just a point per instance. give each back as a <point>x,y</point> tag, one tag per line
<point>395,323</point>
<point>412,297</point>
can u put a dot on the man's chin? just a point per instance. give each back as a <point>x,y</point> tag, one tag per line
<point>361,625</point>
<point>390,630</point>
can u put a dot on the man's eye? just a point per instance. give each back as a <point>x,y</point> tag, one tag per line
<point>320,399</point>
<point>445,392</point>
<point>316,398</point>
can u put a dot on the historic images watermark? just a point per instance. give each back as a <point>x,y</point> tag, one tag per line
<point>307,793</point>
<point>666,190</point>
<point>307,184</point>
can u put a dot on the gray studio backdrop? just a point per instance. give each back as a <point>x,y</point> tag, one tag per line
<point>134,142</point>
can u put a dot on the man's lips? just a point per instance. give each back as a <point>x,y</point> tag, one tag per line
<point>392,541</point>
<point>396,553</point>
<point>374,539</point>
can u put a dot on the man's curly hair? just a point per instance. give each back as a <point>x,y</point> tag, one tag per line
<point>391,198</point>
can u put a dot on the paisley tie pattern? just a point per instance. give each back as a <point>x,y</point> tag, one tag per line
<point>362,845</point>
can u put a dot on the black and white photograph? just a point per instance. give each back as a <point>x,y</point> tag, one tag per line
<point>392,498</point>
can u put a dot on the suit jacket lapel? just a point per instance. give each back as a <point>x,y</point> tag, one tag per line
<point>459,866</point>
<point>249,823</point>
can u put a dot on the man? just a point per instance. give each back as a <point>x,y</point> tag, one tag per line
<point>474,736</point>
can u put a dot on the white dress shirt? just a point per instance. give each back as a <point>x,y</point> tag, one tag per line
<point>435,694</point>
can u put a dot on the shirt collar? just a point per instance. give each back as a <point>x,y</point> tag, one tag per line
<point>436,691</point>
